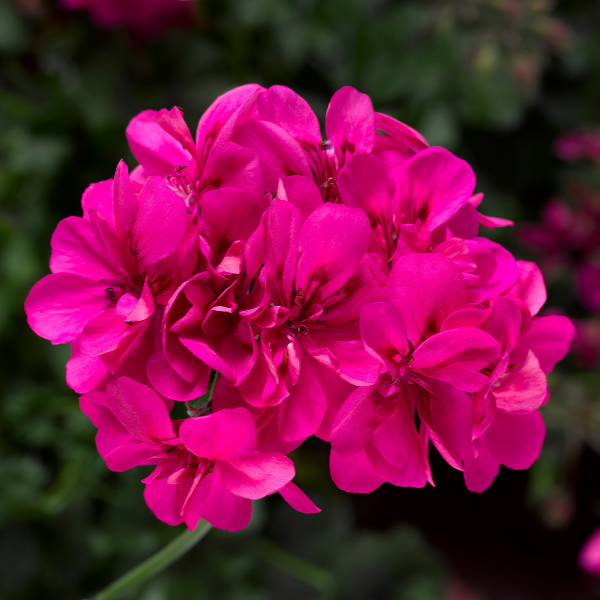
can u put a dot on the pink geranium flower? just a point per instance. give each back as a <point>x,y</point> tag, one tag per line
<point>430,364</point>
<point>287,137</point>
<point>431,209</point>
<point>206,467</point>
<point>163,145</point>
<point>210,318</point>
<point>508,428</point>
<point>317,277</point>
<point>113,272</point>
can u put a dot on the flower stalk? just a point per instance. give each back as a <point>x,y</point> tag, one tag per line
<point>156,563</point>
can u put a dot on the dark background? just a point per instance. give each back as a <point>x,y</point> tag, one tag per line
<point>496,82</point>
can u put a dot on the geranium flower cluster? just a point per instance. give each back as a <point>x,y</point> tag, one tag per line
<point>285,285</point>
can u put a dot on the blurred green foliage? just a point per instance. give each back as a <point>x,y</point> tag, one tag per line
<point>494,80</point>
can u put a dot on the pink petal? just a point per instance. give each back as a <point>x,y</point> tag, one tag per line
<point>394,438</point>
<point>493,222</point>
<point>220,111</point>
<point>84,373</point>
<point>107,331</point>
<point>213,502</point>
<point>456,356</point>
<point>336,391</point>
<point>302,192</point>
<point>93,404</point>
<point>279,153</point>
<point>159,225</point>
<point>354,473</point>
<point>350,123</point>
<point>228,215</point>
<point>504,322</point>
<point>124,200</point>
<point>123,452</point>
<point>258,475</point>
<point>414,473</point>
<point>291,112</point>
<point>76,250</point>
<point>153,147</point>
<point>58,306</point>
<point>354,424</point>
<point>161,498</point>
<point>516,440</point>
<point>480,470</point>
<point>431,187</point>
<point>298,500</point>
<point>173,123</point>
<point>425,288</point>
<point>501,271</point>
<point>332,243</point>
<point>383,333</point>
<point>98,197</point>
<point>224,352</point>
<point>548,337</point>
<point>281,249</point>
<point>301,414</point>
<point>449,418</point>
<point>230,165</point>
<point>363,184</point>
<point>522,389</point>
<point>531,284</point>
<point>140,409</point>
<point>167,381</point>
<point>225,435</point>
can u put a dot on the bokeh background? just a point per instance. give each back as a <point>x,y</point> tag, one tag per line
<point>498,82</point>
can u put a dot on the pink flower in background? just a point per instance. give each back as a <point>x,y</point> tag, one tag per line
<point>163,145</point>
<point>569,239</point>
<point>147,17</point>
<point>574,146</point>
<point>589,557</point>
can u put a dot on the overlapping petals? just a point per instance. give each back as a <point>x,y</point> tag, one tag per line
<point>284,284</point>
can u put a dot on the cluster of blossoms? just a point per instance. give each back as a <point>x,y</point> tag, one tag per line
<point>336,288</point>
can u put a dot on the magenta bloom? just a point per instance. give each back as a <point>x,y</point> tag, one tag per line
<point>207,467</point>
<point>287,137</point>
<point>163,145</point>
<point>147,17</point>
<point>574,146</point>
<point>430,365</point>
<point>113,271</point>
<point>336,288</point>
<point>317,278</point>
<point>508,428</point>
<point>428,206</point>
<point>210,318</point>
<point>589,557</point>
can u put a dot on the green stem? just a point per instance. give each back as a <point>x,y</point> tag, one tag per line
<point>311,574</point>
<point>155,564</point>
